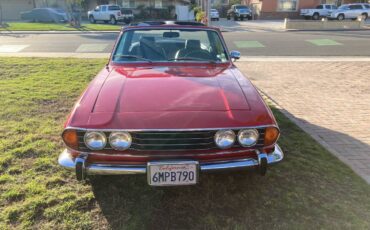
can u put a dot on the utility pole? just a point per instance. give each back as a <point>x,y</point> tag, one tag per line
<point>208,12</point>
<point>1,15</point>
<point>206,7</point>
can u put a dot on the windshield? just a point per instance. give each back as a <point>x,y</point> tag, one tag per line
<point>114,8</point>
<point>343,7</point>
<point>170,45</point>
<point>58,10</point>
<point>242,7</point>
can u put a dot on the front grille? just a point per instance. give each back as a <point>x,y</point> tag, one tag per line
<point>172,140</point>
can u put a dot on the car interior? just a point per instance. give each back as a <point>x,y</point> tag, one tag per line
<point>166,49</point>
<point>170,46</point>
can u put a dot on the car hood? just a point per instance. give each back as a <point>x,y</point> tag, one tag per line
<point>170,89</point>
<point>168,97</point>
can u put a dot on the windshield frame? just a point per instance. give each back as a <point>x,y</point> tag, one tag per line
<point>125,30</point>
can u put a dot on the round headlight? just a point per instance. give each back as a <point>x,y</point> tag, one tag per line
<point>224,138</point>
<point>120,140</point>
<point>248,137</point>
<point>95,140</point>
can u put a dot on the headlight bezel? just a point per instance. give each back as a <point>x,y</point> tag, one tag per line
<point>253,130</point>
<point>113,134</point>
<point>231,132</point>
<point>98,133</point>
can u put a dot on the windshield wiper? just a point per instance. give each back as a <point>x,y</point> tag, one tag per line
<point>191,59</point>
<point>132,56</point>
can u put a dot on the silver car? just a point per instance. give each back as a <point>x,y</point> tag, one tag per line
<point>351,11</point>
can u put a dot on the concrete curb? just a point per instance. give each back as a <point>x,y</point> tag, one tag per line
<point>56,55</point>
<point>298,30</point>
<point>59,32</point>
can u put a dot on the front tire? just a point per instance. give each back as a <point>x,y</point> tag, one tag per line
<point>340,17</point>
<point>92,19</point>
<point>315,16</point>
<point>235,18</point>
<point>364,16</point>
<point>113,21</point>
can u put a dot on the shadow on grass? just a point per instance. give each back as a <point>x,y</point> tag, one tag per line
<point>128,201</point>
<point>307,189</point>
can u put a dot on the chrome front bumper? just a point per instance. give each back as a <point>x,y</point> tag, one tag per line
<point>82,169</point>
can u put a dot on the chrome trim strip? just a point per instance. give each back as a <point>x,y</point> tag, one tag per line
<point>204,143</point>
<point>171,130</point>
<point>66,160</point>
<point>167,155</point>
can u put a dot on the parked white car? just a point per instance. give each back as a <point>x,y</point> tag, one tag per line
<point>110,13</point>
<point>322,10</point>
<point>351,11</point>
<point>214,15</point>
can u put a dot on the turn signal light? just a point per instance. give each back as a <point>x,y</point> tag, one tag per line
<point>70,138</point>
<point>271,135</point>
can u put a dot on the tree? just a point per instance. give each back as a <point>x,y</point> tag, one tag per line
<point>233,2</point>
<point>74,9</point>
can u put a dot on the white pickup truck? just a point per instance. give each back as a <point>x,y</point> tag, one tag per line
<point>322,10</point>
<point>110,13</point>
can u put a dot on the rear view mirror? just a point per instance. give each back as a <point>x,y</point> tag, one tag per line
<point>171,34</point>
<point>235,55</point>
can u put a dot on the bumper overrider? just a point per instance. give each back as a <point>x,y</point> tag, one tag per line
<point>82,168</point>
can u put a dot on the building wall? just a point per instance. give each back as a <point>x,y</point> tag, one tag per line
<point>13,8</point>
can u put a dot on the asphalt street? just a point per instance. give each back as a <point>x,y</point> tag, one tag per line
<point>249,43</point>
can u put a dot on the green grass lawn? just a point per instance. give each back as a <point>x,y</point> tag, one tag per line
<point>311,189</point>
<point>30,26</point>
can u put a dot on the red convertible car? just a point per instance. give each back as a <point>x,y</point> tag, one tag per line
<point>170,104</point>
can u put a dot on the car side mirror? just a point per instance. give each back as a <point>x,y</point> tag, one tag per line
<point>235,55</point>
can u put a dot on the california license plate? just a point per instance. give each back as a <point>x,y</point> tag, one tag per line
<point>172,173</point>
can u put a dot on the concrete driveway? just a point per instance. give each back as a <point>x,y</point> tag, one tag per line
<point>329,100</point>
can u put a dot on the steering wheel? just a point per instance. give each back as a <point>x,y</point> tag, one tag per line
<point>201,54</point>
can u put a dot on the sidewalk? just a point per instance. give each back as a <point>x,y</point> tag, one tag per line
<point>329,100</point>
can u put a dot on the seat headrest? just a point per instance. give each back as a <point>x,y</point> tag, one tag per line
<point>192,44</point>
<point>147,39</point>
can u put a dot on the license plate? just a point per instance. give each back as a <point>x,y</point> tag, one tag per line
<point>172,173</point>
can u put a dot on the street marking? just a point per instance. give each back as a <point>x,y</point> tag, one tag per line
<point>97,47</point>
<point>12,48</point>
<point>248,44</point>
<point>324,42</point>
